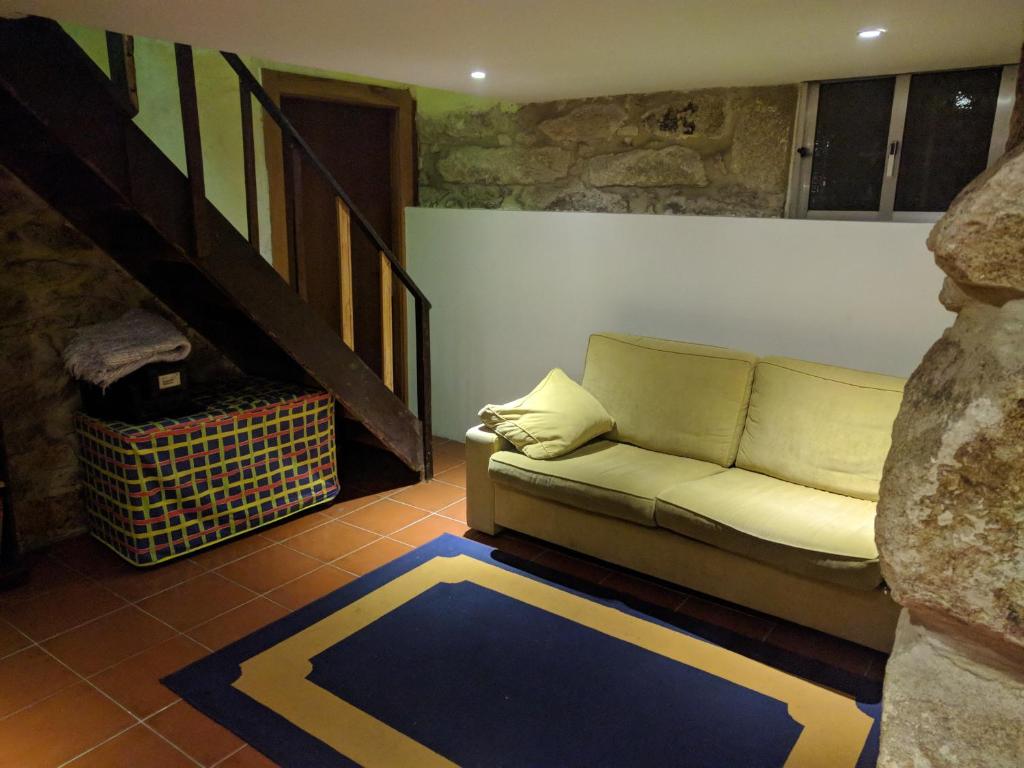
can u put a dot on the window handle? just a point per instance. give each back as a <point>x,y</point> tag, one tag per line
<point>890,161</point>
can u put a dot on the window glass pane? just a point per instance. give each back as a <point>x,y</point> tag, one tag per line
<point>851,136</point>
<point>946,136</point>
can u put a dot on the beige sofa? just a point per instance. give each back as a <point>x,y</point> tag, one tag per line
<point>751,480</point>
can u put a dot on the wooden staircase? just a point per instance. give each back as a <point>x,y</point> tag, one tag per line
<point>67,133</point>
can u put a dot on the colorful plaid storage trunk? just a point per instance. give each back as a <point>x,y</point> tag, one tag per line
<point>254,452</point>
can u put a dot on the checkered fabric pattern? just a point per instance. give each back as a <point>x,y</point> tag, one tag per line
<point>254,452</point>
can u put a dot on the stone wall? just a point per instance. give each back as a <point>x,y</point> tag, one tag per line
<point>723,151</point>
<point>950,525</point>
<point>53,280</point>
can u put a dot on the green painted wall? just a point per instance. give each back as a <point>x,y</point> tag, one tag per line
<point>220,115</point>
<point>219,119</point>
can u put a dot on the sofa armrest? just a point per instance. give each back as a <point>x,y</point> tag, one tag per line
<point>481,443</point>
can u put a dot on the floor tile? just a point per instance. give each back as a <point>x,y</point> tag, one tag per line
<point>444,463</point>
<point>269,568</point>
<point>195,733</point>
<point>447,455</point>
<point>429,529</point>
<point>134,748</point>
<point>63,726</point>
<point>454,476</point>
<point>11,640</point>
<point>430,496</point>
<point>876,669</point>
<point>372,556</point>
<point>44,575</point>
<point>134,584</point>
<point>329,542</point>
<point>342,508</point>
<point>509,543</point>
<point>308,588</point>
<point>29,676</point>
<point>518,546</point>
<point>196,601</point>
<point>135,682</point>
<point>60,609</point>
<point>385,516</point>
<point>86,555</point>
<point>232,550</point>
<point>104,642</point>
<point>573,566</point>
<point>641,589</point>
<point>456,511</point>
<point>238,623</point>
<point>248,757</point>
<point>812,644</point>
<point>296,525</point>
<point>399,488</point>
<point>739,622</point>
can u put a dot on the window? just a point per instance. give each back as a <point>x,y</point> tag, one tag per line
<point>899,148</point>
<point>848,157</point>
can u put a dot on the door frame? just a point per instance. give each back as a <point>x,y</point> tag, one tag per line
<point>400,102</point>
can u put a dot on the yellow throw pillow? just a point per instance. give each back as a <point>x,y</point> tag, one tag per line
<point>557,417</point>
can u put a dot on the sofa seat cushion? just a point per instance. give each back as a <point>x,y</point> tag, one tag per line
<point>798,529</point>
<point>603,477</point>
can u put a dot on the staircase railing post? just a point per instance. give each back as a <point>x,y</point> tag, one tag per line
<point>193,142</point>
<point>121,60</point>
<point>387,332</point>
<point>293,216</point>
<point>345,298</point>
<point>249,160</point>
<point>423,384</point>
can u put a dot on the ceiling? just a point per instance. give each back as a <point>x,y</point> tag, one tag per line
<point>536,50</point>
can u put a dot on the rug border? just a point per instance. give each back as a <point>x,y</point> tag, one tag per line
<point>207,683</point>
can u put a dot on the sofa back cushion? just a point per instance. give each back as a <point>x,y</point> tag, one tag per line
<point>820,426</point>
<point>669,396</point>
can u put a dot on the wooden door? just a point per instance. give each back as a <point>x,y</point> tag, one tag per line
<point>364,137</point>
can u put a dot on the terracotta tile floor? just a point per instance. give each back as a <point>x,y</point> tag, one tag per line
<point>84,643</point>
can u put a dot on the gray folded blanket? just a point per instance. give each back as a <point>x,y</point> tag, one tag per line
<point>106,352</point>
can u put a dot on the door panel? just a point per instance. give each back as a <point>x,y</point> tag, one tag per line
<point>355,143</point>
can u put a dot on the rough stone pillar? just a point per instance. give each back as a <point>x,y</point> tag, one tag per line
<point>950,525</point>
<point>1016,135</point>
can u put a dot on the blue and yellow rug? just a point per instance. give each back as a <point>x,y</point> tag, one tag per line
<point>448,656</point>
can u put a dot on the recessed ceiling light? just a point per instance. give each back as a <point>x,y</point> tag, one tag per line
<point>478,74</point>
<point>871,34</point>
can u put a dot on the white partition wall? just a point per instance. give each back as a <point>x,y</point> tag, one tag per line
<point>517,293</point>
